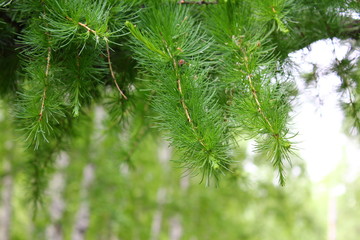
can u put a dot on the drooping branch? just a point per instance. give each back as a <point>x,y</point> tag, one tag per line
<point>254,93</point>
<point>186,109</point>
<point>107,51</point>
<point>46,82</point>
<point>275,145</point>
<point>87,28</point>
<point>182,98</point>
<point>111,70</point>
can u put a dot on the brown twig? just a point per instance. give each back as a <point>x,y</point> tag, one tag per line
<point>87,28</point>
<point>108,55</point>
<point>111,70</point>
<point>182,100</point>
<point>45,88</point>
<point>83,25</point>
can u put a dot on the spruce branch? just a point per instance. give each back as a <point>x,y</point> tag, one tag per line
<point>41,104</point>
<point>354,105</point>
<point>140,37</point>
<point>186,109</point>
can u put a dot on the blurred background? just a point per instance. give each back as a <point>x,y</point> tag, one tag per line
<point>128,187</point>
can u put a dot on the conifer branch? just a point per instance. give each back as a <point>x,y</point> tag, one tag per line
<point>278,148</point>
<point>352,103</point>
<point>42,104</point>
<point>48,62</point>
<point>87,28</point>
<point>182,99</point>
<point>111,70</point>
<point>108,54</point>
<point>253,92</point>
<point>83,25</point>
<point>183,102</point>
<point>186,109</point>
<point>45,88</point>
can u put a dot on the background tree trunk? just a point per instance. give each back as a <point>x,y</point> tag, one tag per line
<point>6,197</point>
<point>56,188</point>
<point>164,156</point>
<point>82,216</point>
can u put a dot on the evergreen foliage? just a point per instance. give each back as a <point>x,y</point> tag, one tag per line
<point>203,75</point>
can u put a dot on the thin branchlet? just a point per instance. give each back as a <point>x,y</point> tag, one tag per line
<point>87,28</point>
<point>198,126</point>
<point>182,99</point>
<point>108,54</point>
<point>111,70</point>
<point>186,109</point>
<point>253,92</point>
<point>45,88</point>
<point>277,156</point>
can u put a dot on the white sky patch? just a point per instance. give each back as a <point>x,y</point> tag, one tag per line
<point>318,117</point>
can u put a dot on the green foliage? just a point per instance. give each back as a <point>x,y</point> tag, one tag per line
<point>122,199</point>
<point>261,107</point>
<point>185,97</point>
<point>203,75</point>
